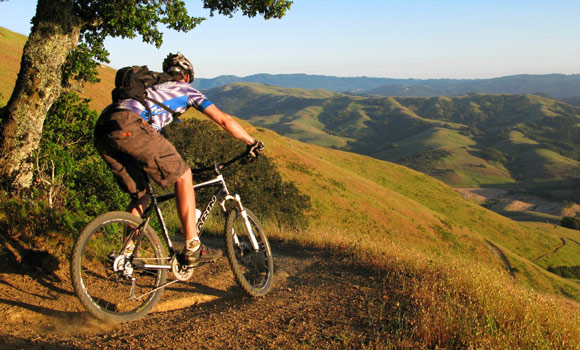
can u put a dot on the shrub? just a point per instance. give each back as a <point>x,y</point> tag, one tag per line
<point>570,222</point>
<point>202,143</point>
<point>566,271</point>
<point>70,175</point>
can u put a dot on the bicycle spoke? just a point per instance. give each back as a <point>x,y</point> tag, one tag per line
<point>105,279</point>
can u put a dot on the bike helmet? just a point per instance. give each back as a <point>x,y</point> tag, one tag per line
<point>175,64</point>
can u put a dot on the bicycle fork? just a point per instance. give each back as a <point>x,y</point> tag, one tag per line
<point>244,214</point>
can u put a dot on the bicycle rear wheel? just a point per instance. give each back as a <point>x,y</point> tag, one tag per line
<point>101,273</point>
<point>253,270</point>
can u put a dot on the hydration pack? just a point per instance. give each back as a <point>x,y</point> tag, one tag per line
<point>132,82</point>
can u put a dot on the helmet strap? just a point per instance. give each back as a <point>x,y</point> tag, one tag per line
<point>186,77</point>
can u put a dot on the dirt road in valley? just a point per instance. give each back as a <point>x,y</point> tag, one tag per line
<point>320,300</point>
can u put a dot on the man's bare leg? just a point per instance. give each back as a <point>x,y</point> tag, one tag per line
<point>136,207</point>
<point>195,252</point>
<point>185,197</point>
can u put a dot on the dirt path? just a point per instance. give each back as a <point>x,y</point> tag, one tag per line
<point>553,252</point>
<point>320,300</point>
<point>499,253</point>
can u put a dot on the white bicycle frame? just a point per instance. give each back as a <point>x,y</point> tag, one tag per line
<point>228,197</point>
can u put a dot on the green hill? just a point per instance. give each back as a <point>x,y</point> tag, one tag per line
<point>465,141</point>
<point>555,85</point>
<point>13,43</point>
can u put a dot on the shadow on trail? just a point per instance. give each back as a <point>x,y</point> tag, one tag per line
<point>12,342</point>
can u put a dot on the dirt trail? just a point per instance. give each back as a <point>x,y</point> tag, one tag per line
<point>320,300</point>
<point>555,250</point>
<point>499,253</point>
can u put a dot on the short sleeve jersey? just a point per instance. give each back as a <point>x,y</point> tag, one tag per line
<point>177,95</point>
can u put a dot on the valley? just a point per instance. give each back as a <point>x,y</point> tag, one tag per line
<point>524,143</point>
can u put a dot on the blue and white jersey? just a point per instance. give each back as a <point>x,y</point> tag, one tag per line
<point>177,95</point>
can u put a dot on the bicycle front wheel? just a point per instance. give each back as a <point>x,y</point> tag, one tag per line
<point>110,282</point>
<point>253,270</point>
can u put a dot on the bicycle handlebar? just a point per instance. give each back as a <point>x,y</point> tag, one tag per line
<point>219,166</point>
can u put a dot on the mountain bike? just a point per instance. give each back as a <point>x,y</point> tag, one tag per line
<point>119,266</point>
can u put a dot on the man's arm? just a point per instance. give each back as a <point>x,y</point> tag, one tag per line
<point>229,124</point>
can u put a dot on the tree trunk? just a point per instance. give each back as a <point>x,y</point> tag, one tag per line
<point>54,34</point>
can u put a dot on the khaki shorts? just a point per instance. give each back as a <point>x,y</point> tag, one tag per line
<point>131,147</point>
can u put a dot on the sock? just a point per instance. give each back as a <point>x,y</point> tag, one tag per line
<point>193,245</point>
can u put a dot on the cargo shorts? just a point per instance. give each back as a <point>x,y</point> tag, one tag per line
<point>131,147</point>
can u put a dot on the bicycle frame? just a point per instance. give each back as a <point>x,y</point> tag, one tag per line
<point>222,192</point>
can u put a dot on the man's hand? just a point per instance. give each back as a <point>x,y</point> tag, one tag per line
<point>255,149</point>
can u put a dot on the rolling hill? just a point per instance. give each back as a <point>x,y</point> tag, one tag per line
<point>560,86</point>
<point>356,198</point>
<point>524,142</point>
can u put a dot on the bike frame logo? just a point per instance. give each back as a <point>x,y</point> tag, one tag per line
<point>206,212</point>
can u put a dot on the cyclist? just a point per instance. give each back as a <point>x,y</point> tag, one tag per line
<point>128,139</point>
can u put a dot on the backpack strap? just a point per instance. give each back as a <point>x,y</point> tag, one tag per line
<point>173,113</point>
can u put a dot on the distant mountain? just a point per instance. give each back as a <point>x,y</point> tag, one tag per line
<point>302,81</point>
<point>554,85</point>
<point>518,141</point>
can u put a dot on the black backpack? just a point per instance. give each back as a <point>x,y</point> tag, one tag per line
<point>131,82</point>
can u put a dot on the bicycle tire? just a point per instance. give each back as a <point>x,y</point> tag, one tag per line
<point>254,271</point>
<point>104,292</point>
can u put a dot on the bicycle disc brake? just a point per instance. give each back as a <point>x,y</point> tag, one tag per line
<point>122,266</point>
<point>181,272</point>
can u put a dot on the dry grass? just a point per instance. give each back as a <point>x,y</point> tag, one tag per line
<point>441,301</point>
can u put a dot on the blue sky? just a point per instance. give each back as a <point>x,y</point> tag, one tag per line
<point>378,38</point>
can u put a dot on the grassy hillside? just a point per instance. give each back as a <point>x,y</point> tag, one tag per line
<point>370,202</point>
<point>465,141</point>
<point>390,215</point>
<point>12,45</point>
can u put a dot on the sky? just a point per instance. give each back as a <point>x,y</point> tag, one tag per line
<point>421,39</point>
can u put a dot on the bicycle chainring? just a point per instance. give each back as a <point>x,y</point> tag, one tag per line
<point>181,272</point>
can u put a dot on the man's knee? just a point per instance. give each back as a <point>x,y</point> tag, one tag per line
<point>185,177</point>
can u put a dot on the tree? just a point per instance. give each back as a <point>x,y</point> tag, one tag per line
<point>67,42</point>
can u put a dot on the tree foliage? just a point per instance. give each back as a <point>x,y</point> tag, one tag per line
<point>570,222</point>
<point>202,143</point>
